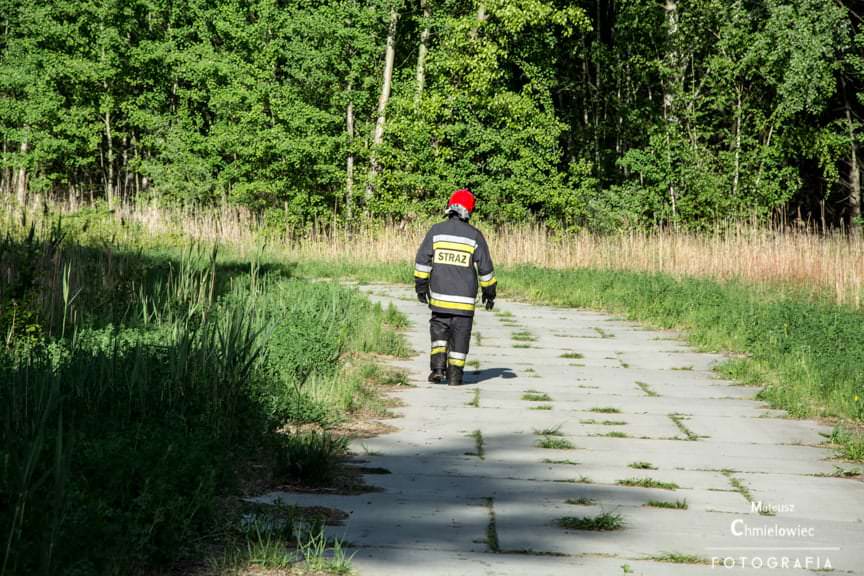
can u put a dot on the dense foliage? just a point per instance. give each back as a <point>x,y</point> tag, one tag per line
<point>599,114</point>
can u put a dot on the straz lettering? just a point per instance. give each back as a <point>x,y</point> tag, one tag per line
<point>453,257</point>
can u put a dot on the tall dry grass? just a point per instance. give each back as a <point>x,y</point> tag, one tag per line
<point>823,264</point>
<point>831,264</point>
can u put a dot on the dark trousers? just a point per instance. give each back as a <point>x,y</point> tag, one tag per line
<point>451,336</point>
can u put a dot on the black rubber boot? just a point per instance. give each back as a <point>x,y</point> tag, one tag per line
<point>454,376</point>
<point>437,376</point>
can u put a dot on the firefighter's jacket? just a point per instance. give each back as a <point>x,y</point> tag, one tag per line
<point>452,260</point>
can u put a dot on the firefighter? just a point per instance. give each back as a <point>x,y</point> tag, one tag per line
<point>452,260</point>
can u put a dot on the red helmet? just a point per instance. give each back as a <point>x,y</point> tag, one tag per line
<point>462,197</point>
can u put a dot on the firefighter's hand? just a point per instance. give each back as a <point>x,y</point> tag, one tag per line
<point>488,302</point>
<point>422,297</point>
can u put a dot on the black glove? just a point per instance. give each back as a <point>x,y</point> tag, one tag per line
<point>422,298</point>
<point>489,294</point>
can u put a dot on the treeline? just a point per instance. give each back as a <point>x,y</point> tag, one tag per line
<point>600,114</point>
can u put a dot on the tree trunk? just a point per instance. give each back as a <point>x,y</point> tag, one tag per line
<point>854,169</point>
<point>5,175</point>
<point>422,51</point>
<point>670,89</point>
<point>737,176</point>
<point>109,179</point>
<point>481,18</point>
<point>21,178</point>
<point>349,163</point>
<point>378,137</point>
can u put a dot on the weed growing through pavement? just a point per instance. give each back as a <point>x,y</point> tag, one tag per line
<point>554,443</point>
<point>612,434</point>
<point>492,528</point>
<point>535,396</point>
<point>580,501</point>
<point>478,445</point>
<point>523,336</point>
<point>647,483</point>
<point>642,465</point>
<point>677,558</point>
<point>572,355</point>
<point>602,333</point>
<point>475,400</point>
<point>551,431</point>
<point>676,505</point>
<point>647,389</point>
<point>603,422</point>
<point>737,484</point>
<point>605,410</point>
<point>678,420</point>
<point>604,522</point>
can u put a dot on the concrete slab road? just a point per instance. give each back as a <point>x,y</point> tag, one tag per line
<point>590,445</point>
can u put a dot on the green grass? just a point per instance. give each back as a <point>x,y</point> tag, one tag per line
<point>605,410</point>
<point>551,431</point>
<point>787,340</point>
<point>677,505</point>
<point>678,420</point>
<point>554,443</point>
<point>534,396</point>
<point>677,558</point>
<point>523,336</point>
<point>607,521</point>
<point>602,333</point>
<point>738,485</point>
<point>492,528</point>
<point>573,355</point>
<point>647,483</point>
<point>580,501</point>
<point>642,466</point>
<point>567,462</point>
<point>479,451</point>
<point>541,407</point>
<point>311,458</point>
<point>613,434</point>
<point>647,389</point>
<point>179,365</point>
<point>475,399</point>
<point>603,422</point>
<point>849,443</point>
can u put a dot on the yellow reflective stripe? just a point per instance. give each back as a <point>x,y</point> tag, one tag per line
<point>418,274</point>
<point>455,362</point>
<point>488,282</point>
<point>453,246</point>
<point>439,350</point>
<point>452,305</point>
